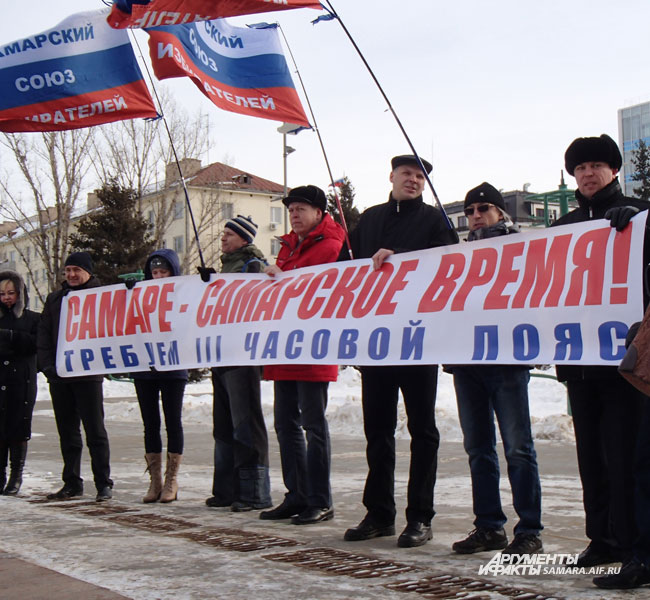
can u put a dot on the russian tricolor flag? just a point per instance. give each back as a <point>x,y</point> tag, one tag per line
<point>239,69</point>
<point>77,74</point>
<point>156,13</point>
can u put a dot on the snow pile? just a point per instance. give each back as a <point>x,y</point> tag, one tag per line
<point>548,406</point>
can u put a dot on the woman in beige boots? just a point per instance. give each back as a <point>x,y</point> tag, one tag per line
<point>169,386</point>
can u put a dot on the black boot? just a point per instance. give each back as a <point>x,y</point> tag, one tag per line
<point>4,453</point>
<point>17,455</point>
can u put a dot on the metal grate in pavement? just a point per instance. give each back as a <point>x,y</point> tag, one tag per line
<point>152,522</point>
<point>458,587</point>
<point>95,509</point>
<point>339,562</point>
<point>236,539</point>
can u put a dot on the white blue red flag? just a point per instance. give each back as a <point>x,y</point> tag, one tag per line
<point>155,13</point>
<point>77,74</point>
<point>239,69</point>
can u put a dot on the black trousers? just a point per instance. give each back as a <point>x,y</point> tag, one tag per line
<point>241,451</point>
<point>303,436</point>
<point>77,402</point>
<point>606,415</point>
<point>380,388</point>
<point>170,392</point>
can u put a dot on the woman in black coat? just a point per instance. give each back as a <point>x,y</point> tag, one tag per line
<point>17,378</point>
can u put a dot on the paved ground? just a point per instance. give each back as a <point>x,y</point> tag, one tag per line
<point>124,549</point>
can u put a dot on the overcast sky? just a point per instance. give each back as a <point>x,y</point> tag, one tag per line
<point>487,90</point>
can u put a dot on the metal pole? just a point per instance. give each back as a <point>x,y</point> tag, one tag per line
<point>286,188</point>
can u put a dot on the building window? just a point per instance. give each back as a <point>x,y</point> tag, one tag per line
<point>179,246</point>
<point>462,222</point>
<point>275,247</point>
<point>539,212</point>
<point>227,210</point>
<point>276,214</point>
<point>178,210</point>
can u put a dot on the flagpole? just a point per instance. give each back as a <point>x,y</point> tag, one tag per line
<point>392,110</point>
<point>173,147</point>
<point>322,145</point>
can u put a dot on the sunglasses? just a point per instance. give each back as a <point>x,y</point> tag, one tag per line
<point>482,208</point>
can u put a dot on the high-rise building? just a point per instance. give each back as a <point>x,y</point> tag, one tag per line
<point>633,125</point>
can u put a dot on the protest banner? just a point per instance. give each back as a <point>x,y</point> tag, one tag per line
<point>565,295</point>
<point>78,74</point>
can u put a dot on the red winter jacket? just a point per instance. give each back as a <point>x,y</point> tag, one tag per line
<point>322,245</point>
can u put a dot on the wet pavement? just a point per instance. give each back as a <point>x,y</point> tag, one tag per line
<point>125,549</point>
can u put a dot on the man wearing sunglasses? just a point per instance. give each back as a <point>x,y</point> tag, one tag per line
<point>402,224</point>
<point>483,391</point>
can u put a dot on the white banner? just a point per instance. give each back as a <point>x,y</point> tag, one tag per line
<point>565,295</point>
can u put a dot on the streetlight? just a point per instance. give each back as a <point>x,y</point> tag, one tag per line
<point>284,129</point>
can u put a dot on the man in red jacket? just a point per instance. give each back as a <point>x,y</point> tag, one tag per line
<point>301,390</point>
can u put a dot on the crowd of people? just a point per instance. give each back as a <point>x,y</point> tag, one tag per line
<point>611,418</point>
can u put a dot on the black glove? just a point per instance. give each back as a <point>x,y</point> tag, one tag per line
<point>619,216</point>
<point>205,273</point>
<point>631,333</point>
<point>50,372</point>
<point>130,283</point>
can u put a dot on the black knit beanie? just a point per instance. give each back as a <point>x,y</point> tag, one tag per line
<point>485,193</point>
<point>81,260</point>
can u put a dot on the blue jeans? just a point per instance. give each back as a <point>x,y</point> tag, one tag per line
<point>502,390</point>
<point>298,406</point>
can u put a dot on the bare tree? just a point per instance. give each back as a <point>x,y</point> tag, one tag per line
<point>52,170</point>
<point>134,153</point>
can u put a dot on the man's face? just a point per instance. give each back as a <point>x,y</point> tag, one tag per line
<point>408,182</point>
<point>304,217</point>
<point>230,241</point>
<point>482,214</point>
<point>75,275</point>
<point>593,176</point>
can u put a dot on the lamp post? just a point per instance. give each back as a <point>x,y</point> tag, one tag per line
<point>284,129</point>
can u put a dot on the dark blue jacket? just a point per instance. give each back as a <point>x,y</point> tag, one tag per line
<point>172,258</point>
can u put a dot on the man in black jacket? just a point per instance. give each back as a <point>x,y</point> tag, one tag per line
<point>606,409</point>
<point>402,224</point>
<point>74,399</point>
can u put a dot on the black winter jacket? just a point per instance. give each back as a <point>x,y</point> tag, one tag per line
<point>17,364</point>
<point>399,226</point>
<point>48,331</point>
<point>590,209</point>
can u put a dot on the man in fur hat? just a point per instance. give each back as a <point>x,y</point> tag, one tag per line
<point>606,409</point>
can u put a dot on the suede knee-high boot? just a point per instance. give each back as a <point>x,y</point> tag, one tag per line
<point>154,466</point>
<point>17,456</point>
<point>4,453</point>
<point>170,487</point>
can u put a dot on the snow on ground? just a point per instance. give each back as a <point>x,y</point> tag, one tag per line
<point>548,405</point>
